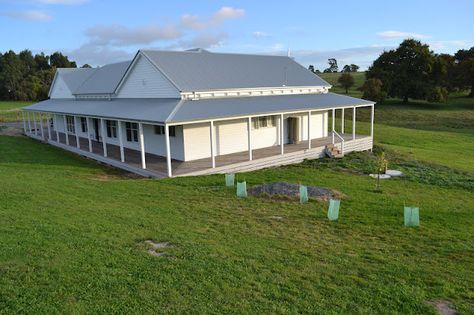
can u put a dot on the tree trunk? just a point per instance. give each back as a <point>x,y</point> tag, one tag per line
<point>472,91</point>
<point>405,99</point>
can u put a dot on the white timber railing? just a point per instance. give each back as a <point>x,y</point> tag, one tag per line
<point>335,133</point>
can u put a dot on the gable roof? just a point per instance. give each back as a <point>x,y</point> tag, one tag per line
<point>104,80</point>
<point>72,77</point>
<point>201,70</point>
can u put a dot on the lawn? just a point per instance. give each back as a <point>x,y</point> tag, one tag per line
<point>72,231</point>
<point>10,110</point>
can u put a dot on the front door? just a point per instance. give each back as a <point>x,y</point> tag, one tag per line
<point>293,130</point>
<point>96,128</point>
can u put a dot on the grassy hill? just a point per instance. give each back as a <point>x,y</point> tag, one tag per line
<point>72,231</point>
<point>331,78</point>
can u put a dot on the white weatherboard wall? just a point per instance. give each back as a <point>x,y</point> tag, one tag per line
<point>60,89</point>
<point>231,136</point>
<point>146,81</point>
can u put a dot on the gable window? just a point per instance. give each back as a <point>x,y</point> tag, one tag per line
<point>132,131</point>
<point>160,130</point>
<point>111,128</point>
<point>70,124</point>
<point>263,122</point>
<point>84,124</point>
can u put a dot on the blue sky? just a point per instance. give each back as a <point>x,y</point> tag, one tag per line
<point>99,32</point>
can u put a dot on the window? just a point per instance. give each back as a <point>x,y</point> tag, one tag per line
<point>112,128</point>
<point>70,124</point>
<point>132,131</point>
<point>160,130</point>
<point>84,124</point>
<point>51,123</point>
<point>265,121</point>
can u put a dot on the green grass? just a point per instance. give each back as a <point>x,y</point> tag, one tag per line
<point>71,231</point>
<point>331,78</point>
<point>10,110</point>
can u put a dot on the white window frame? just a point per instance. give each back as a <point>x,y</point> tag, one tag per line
<point>131,131</point>
<point>111,128</point>
<point>263,122</point>
<point>71,128</point>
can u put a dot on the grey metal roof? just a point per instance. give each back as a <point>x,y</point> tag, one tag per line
<point>200,70</point>
<point>103,80</point>
<point>147,110</point>
<point>74,77</point>
<point>242,106</point>
<point>177,110</point>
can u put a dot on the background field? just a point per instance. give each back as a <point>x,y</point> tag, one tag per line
<point>72,230</point>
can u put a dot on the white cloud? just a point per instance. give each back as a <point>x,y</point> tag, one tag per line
<point>36,16</point>
<point>119,35</point>
<point>64,2</point>
<point>400,35</point>
<point>223,14</point>
<point>259,34</point>
<point>447,45</point>
<point>97,55</point>
<point>203,41</point>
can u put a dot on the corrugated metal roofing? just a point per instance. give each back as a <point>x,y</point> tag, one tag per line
<point>104,80</point>
<point>176,110</point>
<point>243,106</point>
<point>147,110</point>
<point>74,77</point>
<point>200,70</point>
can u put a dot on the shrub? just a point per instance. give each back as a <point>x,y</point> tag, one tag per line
<point>372,90</point>
<point>438,94</point>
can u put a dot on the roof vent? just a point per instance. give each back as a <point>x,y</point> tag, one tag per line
<point>198,50</point>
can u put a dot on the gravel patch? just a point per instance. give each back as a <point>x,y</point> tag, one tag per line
<point>156,248</point>
<point>291,190</point>
<point>443,307</point>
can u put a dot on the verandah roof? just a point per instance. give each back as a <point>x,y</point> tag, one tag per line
<point>180,111</point>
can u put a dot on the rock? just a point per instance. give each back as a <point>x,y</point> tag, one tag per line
<point>394,173</point>
<point>382,176</point>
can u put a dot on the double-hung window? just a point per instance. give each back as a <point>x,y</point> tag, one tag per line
<point>70,124</point>
<point>160,130</point>
<point>84,124</point>
<point>264,121</point>
<point>111,128</point>
<point>132,131</point>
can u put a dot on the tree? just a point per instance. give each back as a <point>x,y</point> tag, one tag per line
<point>405,72</point>
<point>372,90</point>
<point>311,68</point>
<point>58,60</point>
<point>332,65</point>
<point>464,69</point>
<point>346,68</point>
<point>346,80</point>
<point>354,68</point>
<point>86,66</point>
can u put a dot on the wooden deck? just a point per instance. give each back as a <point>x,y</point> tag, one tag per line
<point>157,164</point>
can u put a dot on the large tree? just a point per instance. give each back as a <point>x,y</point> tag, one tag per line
<point>332,65</point>
<point>346,80</point>
<point>464,69</point>
<point>405,71</point>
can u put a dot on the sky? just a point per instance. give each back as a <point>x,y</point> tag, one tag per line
<point>100,32</point>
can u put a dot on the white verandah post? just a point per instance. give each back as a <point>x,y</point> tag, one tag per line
<point>89,134</point>
<point>122,151</point>
<point>168,151</point>
<point>48,122</point>
<point>372,123</point>
<point>104,144</point>
<point>65,130</point>
<point>141,138</point>
<point>249,136</point>
<point>333,123</point>
<point>41,124</point>
<point>211,138</point>
<point>24,122</point>
<point>78,145</point>
<point>342,121</point>
<point>29,123</point>
<point>56,127</point>
<point>282,149</point>
<point>354,123</point>
<point>309,130</point>
<point>34,123</point>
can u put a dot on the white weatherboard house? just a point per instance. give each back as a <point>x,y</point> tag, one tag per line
<point>175,113</point>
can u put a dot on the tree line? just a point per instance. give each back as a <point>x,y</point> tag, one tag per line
<point>412,71</point>
<point>27,77</point>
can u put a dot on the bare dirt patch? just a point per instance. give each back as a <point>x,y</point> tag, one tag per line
<point>10,131</point>
<point>156,249</point>
<point>283,189</point>
<point>443,307</point>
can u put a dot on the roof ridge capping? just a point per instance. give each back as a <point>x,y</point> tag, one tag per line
<point>202,50</point>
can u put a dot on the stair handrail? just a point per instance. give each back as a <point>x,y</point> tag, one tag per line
<point>342,140</point>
